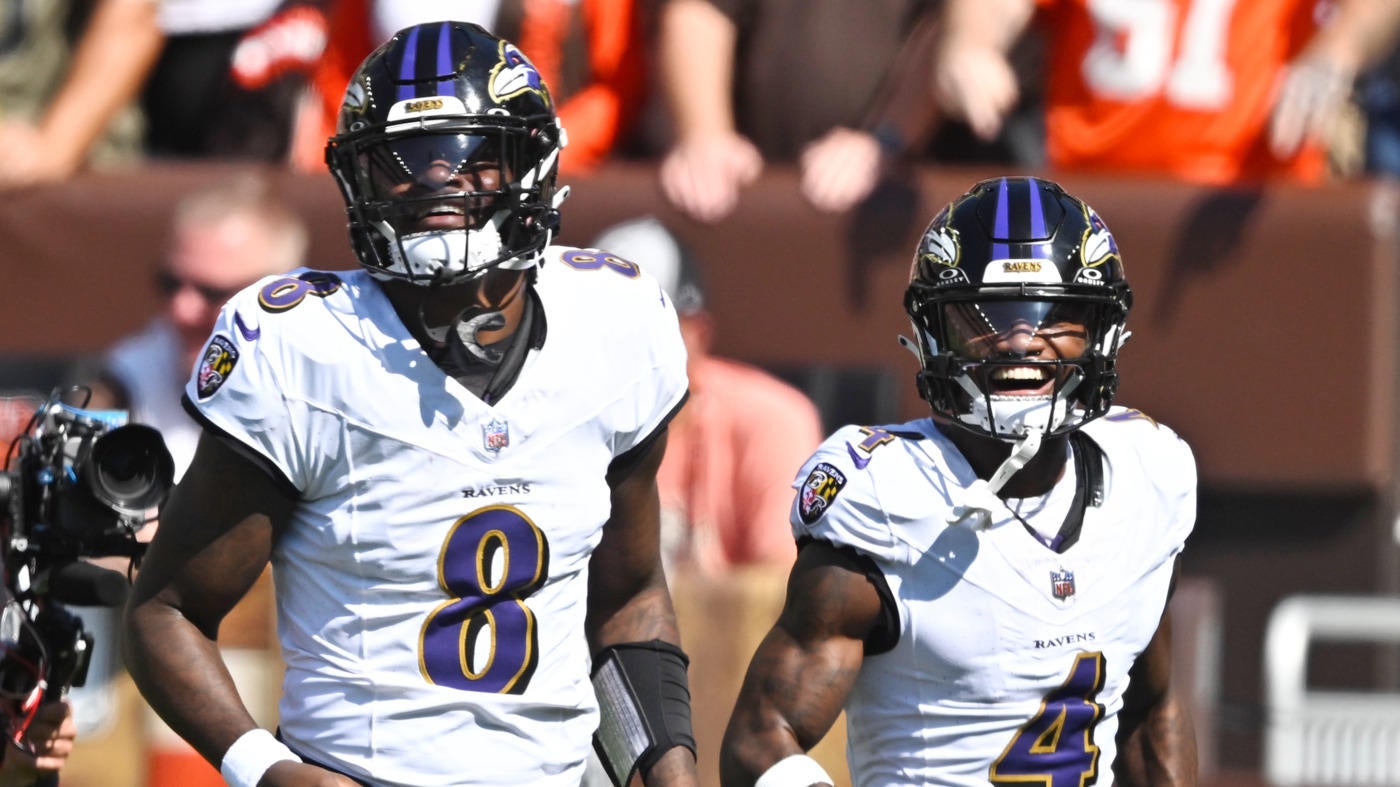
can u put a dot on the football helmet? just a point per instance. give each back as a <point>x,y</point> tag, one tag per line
<point>1018,303</point>
<point>446,152</point>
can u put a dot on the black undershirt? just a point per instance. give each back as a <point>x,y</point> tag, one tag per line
<point>490,381</point>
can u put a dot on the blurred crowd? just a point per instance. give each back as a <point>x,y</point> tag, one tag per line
<point>711,90</point>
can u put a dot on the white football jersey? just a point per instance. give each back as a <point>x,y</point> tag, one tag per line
<point>431,586</point>
<point>1012,659</point>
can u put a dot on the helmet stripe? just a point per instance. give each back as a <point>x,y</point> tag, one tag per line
<point>1001,224</point>
<point>445,87</point>
<point>1037,211</point>
<point>408,65</point>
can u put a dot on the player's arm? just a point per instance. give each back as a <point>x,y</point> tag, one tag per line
<point>803,670</point>
<point>1156,739</point>
<point>632,627</point>
<point>216,537</point>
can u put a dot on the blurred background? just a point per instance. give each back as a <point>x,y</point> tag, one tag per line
<point>798,150</point>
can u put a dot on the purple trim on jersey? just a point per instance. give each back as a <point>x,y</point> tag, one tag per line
<point>409,65</point>
<point>446,87</point>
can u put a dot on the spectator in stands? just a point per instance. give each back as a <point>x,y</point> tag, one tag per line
<point>231,76</point>
<point>1379,100</point>
<point>747,81</point>
<point>591,53</point>
<point>64,107</point>
<point>222,239</point>
<point>1204,92</point>
<point>734,449</point>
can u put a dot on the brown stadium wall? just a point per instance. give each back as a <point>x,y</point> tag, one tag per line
<point>1264,331</point>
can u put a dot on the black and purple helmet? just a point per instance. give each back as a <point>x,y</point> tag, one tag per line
<point>453,96</point>
<point>1013,258</point>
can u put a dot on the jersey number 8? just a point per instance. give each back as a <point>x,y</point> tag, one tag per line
<point>485,637</point>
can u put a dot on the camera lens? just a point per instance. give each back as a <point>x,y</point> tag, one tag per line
<point>130,469</point>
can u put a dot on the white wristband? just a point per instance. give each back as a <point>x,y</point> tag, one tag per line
<point>794,770</point>
<point>251,755</point>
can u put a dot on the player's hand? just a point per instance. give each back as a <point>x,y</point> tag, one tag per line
<point>841,168</point>
<point>703,175</point>
<point>51,735</point>
<point>1312,92</point>
<point>295,774</point>
<point>976,84</point>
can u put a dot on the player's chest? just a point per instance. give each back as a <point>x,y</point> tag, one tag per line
<point>434,493</point>
<point>976,641</point>
<point>992,617</point>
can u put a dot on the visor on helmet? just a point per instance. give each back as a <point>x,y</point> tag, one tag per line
<point>411,165</point>
<point>985,329</point>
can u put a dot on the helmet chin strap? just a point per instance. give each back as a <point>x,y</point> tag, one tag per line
<point>981,497</point>
<point>1023,451</point>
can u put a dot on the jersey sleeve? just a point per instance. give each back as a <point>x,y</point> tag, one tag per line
<point>1167,462</point>
<point>646,356</point>
<point>244,387</point>
<point>837,499</point>
<point>1180,490</point>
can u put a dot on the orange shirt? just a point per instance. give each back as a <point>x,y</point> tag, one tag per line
<point>595,112</point>
<point>1173,87</point>
<point>731,456</point>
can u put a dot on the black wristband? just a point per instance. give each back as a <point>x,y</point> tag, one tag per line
<point>644,700</point>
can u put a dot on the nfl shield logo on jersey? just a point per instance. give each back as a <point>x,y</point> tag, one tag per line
<point>495,435</point>
<point>1062,584</point>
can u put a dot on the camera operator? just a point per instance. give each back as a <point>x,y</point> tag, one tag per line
<point>75,487</point>
<point>44,746</point>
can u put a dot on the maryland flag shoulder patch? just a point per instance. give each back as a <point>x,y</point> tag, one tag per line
<point>220,356</point>
<point>818,491</point>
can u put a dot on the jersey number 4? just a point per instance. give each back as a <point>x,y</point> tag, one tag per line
<point>1056,747</point>
<point>485,637</point>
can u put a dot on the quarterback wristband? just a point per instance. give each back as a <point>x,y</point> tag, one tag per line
<point>795,770</point>
<point>251,755</point>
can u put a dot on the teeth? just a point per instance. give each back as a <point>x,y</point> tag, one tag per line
<point>1019,373</point>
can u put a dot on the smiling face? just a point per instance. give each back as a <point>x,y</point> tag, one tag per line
<point>1020,343</point>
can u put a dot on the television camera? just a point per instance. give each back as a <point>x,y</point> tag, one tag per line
<point>77,483</point>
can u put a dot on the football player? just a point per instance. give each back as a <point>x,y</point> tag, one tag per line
<point>449,458</point>
<point>985,591</point>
